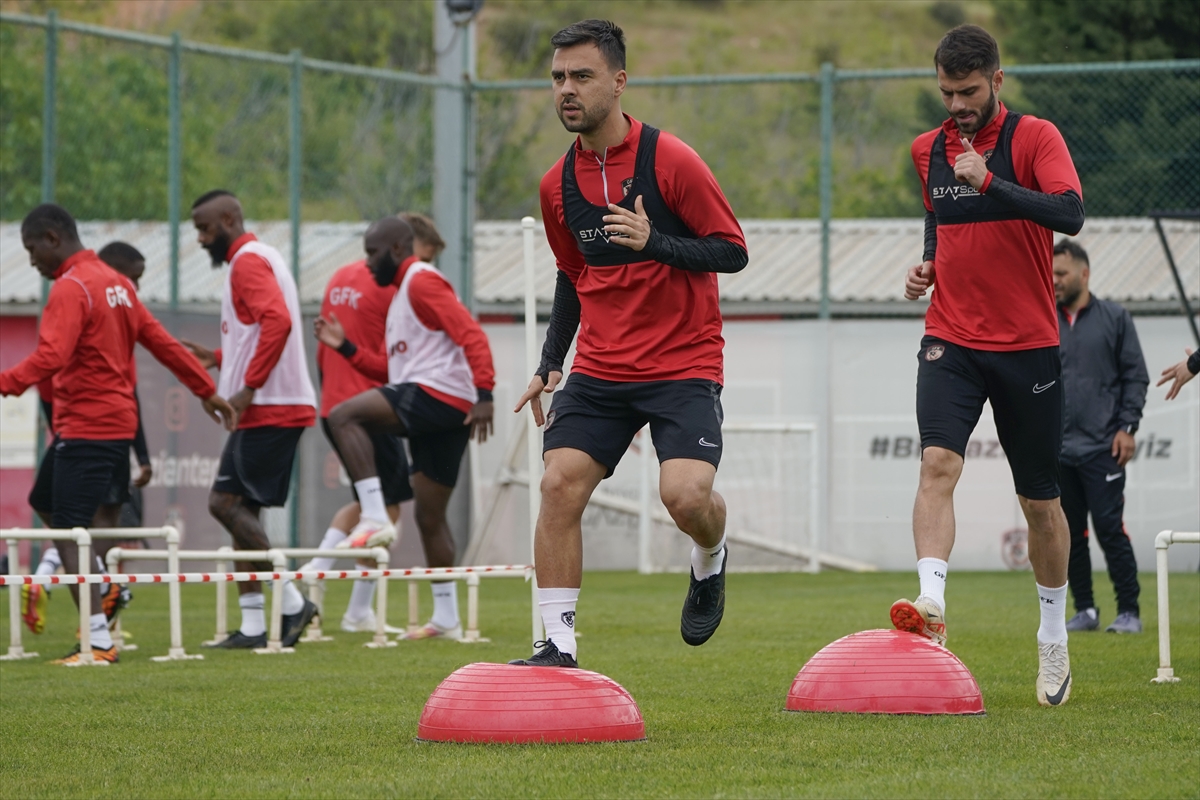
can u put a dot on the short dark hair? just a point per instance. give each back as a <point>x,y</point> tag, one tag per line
<point>607,36</point>
<point>204,198</point>
<point>965,49</point>
<point>424,229</point>
<point>1068,247</point>
<point>50,217</point>
<point>122,252</point>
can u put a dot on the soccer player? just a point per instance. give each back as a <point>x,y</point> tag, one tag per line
<point>364,307</point>
<point>996,184</point>
<point>265,376</point>
<point>1104,388</point>
<point>91,321</point>
<point>639,229</point>
<point>439,374</point>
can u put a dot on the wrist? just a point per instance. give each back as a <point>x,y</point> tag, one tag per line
<point>483,395</point>
<point>347,348</point>
<point>987,182</point>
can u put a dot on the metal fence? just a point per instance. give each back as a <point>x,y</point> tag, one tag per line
<point>122,125</point>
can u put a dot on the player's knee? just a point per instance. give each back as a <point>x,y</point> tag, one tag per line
<point>220,506</point>
<point>940,468</point>
<point>430,522</point>
<point>341,415</point>
<point>559,488</point>
<point>687,502</point>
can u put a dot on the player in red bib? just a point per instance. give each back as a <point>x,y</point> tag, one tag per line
<point>996,185</point>
<point>264,374</point>
<point>91,321</point>
<point>639,229</point>
<point>439,378</point>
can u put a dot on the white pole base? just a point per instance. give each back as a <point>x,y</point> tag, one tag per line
<point>272,651</point>
<point>1165,675</point>
<point>16,654</point>
<point>315,635</point>
<point>216,640</point>
<point>377,644</point>
<point>177,654</point>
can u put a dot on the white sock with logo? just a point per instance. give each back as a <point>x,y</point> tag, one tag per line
<point>707,561</point>
<point>49,564</point>
<point>253,621</point>
<point>332,537</point>
<point>445,604</point>
<point>558,615</point>
<point>1054,614</point>
<point>360,600</point>
<point>101,637</point>
<point>293,601</point>
<point>932,572</point>
<point>370,498</point>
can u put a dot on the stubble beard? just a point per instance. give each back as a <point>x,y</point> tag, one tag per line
<point>590,119</point>
<point>983,117</point>
<point>218,249</point>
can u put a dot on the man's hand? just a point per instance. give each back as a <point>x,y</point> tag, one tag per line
<point>918,280</point>
<point>533,395</point>
<point>969,167</point>
<point>329,331</point>
<point>628,228</point>
<point>145,473</point>
<point>1179,373</point>
<point>241,401</point>
<point>480,420</point>
<point>1123,447</point>
<point>221,411</point>
<point>206,357</point>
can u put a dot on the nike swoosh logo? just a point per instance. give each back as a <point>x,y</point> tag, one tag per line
<point>1039,389</point>
<point>1056,698</point>
<point>707,444</point>
<point>1111,478</point>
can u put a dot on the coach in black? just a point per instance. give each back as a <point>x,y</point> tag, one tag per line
<point>1104,387</point>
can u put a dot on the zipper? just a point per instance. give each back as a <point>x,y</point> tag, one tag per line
<point>604,175</point>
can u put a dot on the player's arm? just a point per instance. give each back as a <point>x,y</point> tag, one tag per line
<point>140,450</point>
<point>183,365</point>
<point>62,322</point>
<point>1134,377</point>
<point>919,279</point>
<point>371,362</point>
<point>253,282</point>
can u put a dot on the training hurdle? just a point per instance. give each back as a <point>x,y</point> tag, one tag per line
<point>278,558</point>
<point>82,537</point>
<point>1163,542</point>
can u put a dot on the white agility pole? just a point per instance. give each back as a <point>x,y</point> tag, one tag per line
<point>533,441</point>
<point>1162,542</point>
<point>84,540</point>
<point>171,536</point>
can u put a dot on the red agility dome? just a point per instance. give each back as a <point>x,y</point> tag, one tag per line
<point>885,672</point>
<point>516,704</point>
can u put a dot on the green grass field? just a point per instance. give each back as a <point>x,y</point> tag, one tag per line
<point>339,720</point>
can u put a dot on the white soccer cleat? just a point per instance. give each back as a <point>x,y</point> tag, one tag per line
<point>369,533</point>
<point>1054,674</point>
<point>432,631</point>
<point>367,625</point>
<point>922,617</point>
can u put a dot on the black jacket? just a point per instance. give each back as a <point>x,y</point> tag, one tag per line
<point>1104,378</point>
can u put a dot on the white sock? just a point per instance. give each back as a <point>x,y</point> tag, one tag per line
<point>360,600</point>
<point>293,601</point>
<point>332,537</point>
<point>558,615</point>
<point>707,561</point>
<point>932,572</point>
<point>1054,614</point>
<point>370,497</point>
<point>49,564</point>
<point>445,604</point>
<point>99,627</point>
<point>253,622</point>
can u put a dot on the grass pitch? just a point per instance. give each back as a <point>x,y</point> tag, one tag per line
<point>339,720</point>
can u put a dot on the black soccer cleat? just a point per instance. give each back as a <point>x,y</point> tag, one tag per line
<point>240,641</point>
<point>704,606</point>
<point>548,656</point>
<point>294,624</point>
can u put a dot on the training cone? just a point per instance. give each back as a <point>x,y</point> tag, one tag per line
<point>517,704</point>
<point>885,672</point>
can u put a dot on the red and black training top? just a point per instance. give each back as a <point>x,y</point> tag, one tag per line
<point>642,316</point>
<point>361,306</point>
<point>993,277</point>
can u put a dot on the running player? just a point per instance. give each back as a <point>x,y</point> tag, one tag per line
<point>265,376</point>
<point>996,184</point>
<point>363,305</point>
<point>91,321</point>
<point>125,259</point>
<point>438,367</point>
<point>639,229</point>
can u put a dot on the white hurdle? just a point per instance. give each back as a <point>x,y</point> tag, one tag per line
<point>81,537</point>
<point>1162,542</point>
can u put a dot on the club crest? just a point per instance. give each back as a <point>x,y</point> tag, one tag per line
<point>934,353</point>
<point>568,618</point>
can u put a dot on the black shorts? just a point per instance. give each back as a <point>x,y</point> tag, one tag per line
<point>84,474</point>
<point>437,437</point>
<point>1025,389</point>
<point>257,464</point>
<point>391,465</point>
<point>41,496</point>
<point>601,417</point>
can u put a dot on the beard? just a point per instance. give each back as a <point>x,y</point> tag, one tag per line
<point>218,249</point>
<point>1068,296</point>
<point>589,118</point>
<point>983,116</point>
<point>384,270</point>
